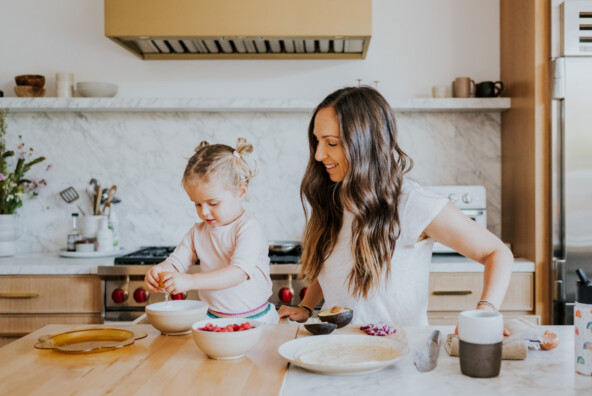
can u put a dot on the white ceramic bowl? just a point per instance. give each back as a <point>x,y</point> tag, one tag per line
<point>96,89</point>
<point>176,316</point>
<point>232,345</point>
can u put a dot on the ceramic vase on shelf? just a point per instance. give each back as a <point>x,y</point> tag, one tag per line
<point>10,232</point>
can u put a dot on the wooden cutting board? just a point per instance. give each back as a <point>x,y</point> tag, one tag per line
<point>155,365</point>
<point>400,334</point>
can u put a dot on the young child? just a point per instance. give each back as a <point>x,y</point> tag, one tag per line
<point>230,244</point>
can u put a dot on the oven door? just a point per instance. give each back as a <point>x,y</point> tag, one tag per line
<point>477,215</point>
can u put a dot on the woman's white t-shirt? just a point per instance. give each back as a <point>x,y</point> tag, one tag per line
<point>403,298</point>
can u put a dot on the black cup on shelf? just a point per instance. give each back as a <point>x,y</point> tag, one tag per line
<point>489,89</point>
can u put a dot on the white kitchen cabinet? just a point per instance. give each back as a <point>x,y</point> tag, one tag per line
<point>451,293</point>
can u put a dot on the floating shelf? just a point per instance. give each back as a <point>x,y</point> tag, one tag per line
<point>28,105</point>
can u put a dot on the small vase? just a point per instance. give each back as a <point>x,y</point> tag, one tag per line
<point>10,232</point>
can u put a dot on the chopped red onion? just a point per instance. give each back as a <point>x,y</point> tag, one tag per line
<point>380,329</point>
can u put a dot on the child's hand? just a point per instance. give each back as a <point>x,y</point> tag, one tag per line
<point>151,279</point>
<point>175,282</point>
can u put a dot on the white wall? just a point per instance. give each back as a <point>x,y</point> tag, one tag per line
<point>415,45</point>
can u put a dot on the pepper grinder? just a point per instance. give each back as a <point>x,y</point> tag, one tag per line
<point>583,324</point>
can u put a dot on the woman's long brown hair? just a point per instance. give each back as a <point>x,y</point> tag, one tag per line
<point>370,189</point>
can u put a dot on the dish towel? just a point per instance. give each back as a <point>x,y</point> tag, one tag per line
<point>515,350</point>
<point>524,335</point>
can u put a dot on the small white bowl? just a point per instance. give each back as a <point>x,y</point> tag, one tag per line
<point>176,316</point>
<point>96,89</point>
<point>231,345</point>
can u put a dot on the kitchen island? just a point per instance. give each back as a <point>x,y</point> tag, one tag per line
<point>173,365</point>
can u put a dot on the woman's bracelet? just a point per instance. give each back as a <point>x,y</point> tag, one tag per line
<point>487,304</point>
<point>309,310</point>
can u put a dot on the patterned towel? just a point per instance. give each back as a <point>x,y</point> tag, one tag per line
<point>524,335</point>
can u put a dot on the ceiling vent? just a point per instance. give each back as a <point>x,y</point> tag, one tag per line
<point>241,29</point>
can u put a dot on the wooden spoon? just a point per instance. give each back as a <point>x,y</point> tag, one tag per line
<point>110,195</point>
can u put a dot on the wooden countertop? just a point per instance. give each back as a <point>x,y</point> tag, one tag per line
<point>171,365</point>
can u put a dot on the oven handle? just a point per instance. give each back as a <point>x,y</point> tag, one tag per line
<point>473,212</point>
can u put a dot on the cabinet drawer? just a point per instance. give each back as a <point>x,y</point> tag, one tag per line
<point>462,291</point>
<point>13,327</point>
<point>50,294</point>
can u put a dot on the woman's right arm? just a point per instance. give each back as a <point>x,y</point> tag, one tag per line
<point>314,295</point>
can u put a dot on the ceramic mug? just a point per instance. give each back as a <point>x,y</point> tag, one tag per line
<point>91,225</point>
<point>480,334</point>
<point>489,89</point>
<point>439,91</point>
<point>463,87</point>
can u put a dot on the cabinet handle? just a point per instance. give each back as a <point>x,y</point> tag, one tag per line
<point>452,292</point>
<point>19,295</point>
<point>13,334</point>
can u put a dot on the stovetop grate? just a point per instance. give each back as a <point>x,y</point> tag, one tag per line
<point>157,254</point>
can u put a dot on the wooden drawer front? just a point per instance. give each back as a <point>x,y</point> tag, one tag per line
<point>462,291</point>
<point>13,327</point>
<point>50,294</point>
<point>451,318</point>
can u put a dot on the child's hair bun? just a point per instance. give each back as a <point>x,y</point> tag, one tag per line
<point>202,145</point>
<point>242,147</point>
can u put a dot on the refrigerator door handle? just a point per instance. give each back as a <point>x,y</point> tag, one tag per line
<point>558,277</point>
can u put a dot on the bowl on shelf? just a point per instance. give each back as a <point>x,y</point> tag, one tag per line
<point>27,91</point>
<point>96,89</point>
<point>226,345</point>
<point>176,316</point>
<point>31,80</point>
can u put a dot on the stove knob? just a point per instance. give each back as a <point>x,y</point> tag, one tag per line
<point>119,296</point>
<point>303,292</point>
<point>467,198</point>
<point>453,198</point>
<point>179,296</point>
<point>141,295</point>
<point>285,294</point>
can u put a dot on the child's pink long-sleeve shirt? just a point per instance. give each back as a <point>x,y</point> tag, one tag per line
<point>241,243</point>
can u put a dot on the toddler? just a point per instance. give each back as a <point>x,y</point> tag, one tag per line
<point>230,244</point>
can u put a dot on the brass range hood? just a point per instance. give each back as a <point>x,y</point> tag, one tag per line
<point>241,29</point>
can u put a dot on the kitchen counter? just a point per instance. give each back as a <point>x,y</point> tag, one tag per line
<point>174,365</point>
<point>541,373</point>
<point>52,264</point>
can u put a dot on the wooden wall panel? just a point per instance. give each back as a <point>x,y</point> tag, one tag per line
<point>524,54</point>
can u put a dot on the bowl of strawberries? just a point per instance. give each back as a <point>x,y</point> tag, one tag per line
<point>228,338</point>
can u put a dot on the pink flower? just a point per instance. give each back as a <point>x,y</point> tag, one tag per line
<point>1,176</point>
<point>49,167</point>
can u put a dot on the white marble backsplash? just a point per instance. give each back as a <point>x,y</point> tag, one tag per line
<point>144,154</point>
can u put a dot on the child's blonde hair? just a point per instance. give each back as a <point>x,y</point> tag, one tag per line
<point>222,161</point>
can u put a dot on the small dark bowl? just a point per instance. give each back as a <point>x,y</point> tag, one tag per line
<point>32,80</point>
<point>320,328</point>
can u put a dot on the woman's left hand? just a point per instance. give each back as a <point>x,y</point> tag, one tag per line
<point>296,314</point>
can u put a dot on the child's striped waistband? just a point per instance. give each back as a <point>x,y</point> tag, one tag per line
<point>252,314</point>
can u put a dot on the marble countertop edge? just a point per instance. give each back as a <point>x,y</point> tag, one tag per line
<point>53,264</point>
<point>21,105</point>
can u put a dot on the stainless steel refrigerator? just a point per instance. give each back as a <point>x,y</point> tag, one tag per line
<point>571,109</point>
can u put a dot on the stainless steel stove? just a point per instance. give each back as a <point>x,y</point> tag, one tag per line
<point>126,297</point>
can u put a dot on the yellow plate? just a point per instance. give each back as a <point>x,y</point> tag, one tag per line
<point>89,340</point>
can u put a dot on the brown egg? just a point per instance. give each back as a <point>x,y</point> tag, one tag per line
<point>549,340</point>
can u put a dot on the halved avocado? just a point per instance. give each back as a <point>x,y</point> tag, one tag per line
<point>320,328</point>
<point>341,316</point>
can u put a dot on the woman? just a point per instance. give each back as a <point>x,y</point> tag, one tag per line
<point>368,239</point>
